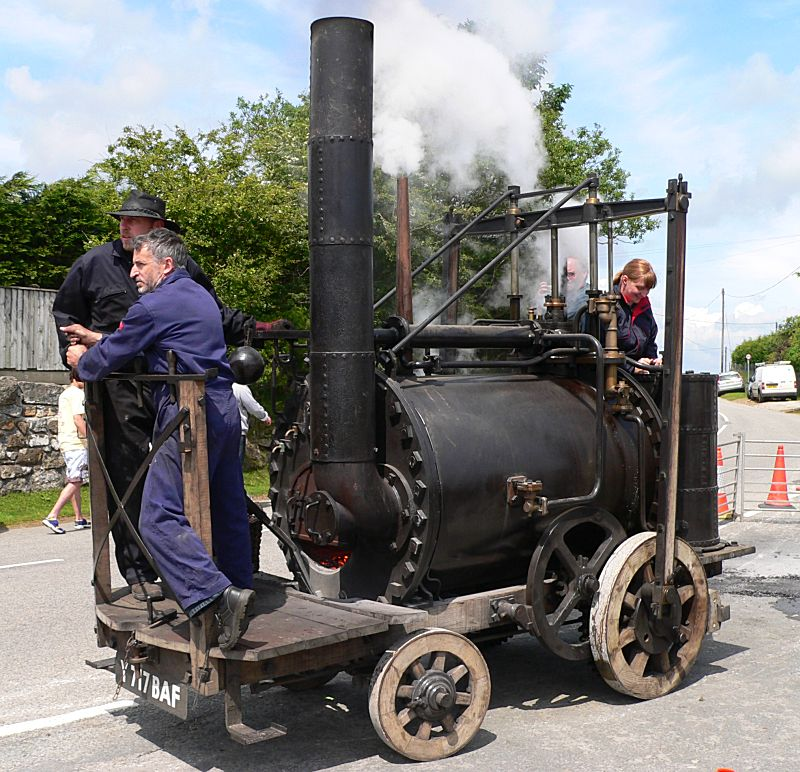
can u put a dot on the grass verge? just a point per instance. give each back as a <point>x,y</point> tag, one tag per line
<point>21,509</point>
<point>733,396</point>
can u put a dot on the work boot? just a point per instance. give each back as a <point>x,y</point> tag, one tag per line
<point>144,591</point>
<point>233,612</point>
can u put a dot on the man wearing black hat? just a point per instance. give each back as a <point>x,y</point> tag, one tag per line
<point>97,293</point>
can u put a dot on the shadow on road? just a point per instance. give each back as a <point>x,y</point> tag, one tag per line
<point>331,726</point>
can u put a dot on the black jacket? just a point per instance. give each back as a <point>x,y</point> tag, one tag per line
<point>636,337</point>
<point>99,290</point>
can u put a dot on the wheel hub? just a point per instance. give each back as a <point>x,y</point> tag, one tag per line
<point>434,695</point>
<point>656,635</point>
<point>588,585</point>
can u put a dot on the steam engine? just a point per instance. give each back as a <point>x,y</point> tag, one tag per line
<point>408,477</point>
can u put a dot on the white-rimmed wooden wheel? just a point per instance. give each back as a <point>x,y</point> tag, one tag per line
<point>429,694</point>
<point>636,653</point>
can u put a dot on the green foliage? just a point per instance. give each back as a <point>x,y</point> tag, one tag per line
<point>238,193</point>
<point>573,155</point>
<point>18,509</point>
<point>44,228</point>
<point>23,509</point>
<point>783,344</point>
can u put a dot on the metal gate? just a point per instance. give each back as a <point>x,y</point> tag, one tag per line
<point>757,474</point>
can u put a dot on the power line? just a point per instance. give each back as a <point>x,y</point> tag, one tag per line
<point>789,239</point>
<point>793,272</point>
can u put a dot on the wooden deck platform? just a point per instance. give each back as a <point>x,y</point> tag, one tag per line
<point>286,621</point>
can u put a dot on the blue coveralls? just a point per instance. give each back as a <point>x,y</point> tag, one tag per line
<point>181,316</point>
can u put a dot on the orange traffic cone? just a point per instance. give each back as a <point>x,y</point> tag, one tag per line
<point>723,508</point>
<point>778,497</point>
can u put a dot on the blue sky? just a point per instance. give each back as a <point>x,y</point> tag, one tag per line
<point>709,89</point>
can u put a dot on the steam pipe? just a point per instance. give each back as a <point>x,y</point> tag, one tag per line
<point>610,231</point>
<point>342,358</point>
<point>403,272</point>
<point>463,336</point>
<point>514,297</point>
<point>641,437</point>
<point>589,342</point>
<point>599,456</point>
<point>554,277</point>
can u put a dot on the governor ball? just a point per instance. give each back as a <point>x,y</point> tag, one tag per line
<point>247,365</point>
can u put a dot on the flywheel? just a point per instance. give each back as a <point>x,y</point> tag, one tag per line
<point>564,575</point>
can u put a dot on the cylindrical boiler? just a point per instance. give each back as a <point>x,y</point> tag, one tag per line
<point>447,448</point>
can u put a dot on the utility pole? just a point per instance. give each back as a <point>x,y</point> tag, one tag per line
<point>722,337</point>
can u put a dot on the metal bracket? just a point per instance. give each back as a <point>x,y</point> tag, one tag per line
<point>508,609</point>
<point>718,612</point>
<point>521,490</point>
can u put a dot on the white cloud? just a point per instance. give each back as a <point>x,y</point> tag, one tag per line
<point>24,26</point>
<point>22,86</point>
<point>743,311</point>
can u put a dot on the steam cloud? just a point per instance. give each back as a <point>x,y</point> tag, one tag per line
<point>449,97</point>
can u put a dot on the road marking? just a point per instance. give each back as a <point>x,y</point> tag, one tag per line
<point>725,425</point>
<point>64,718</point>
<point>34,563</point>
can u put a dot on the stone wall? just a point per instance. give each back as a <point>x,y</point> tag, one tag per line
<point>30,459</point>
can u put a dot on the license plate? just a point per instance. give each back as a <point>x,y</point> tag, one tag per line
<point>145,682</point>
<point>772,385</point>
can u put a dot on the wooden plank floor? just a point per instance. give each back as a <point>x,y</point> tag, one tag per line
<point>286,621</point>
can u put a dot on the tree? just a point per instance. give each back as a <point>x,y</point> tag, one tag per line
<point>783,344</point>
<point>238,192</point>
<point>44,228</point>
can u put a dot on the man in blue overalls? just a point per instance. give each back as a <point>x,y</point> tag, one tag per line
<point>174,313</point>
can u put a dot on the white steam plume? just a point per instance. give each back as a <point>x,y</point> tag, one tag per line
<point>449,97</point>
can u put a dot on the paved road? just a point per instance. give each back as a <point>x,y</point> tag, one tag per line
<point>737,708</point>
<point>764,427</point>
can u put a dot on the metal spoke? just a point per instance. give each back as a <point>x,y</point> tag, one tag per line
<point>458,672</point>
<point>567,558</point>
<point>564,609</point>
<point>602,554</point>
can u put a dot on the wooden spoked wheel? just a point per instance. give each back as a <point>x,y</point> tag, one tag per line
<point>636,653</point>
<point>429,694</point>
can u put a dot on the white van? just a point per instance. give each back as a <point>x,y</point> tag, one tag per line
<point>772,381</point>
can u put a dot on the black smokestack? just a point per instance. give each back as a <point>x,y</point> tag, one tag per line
<point>342,370</point>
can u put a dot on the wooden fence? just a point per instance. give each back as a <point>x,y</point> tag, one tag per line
<point>27,334</point>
